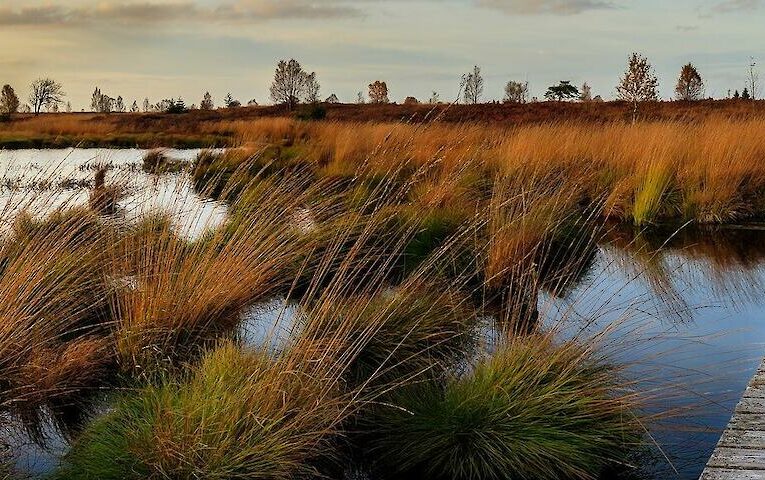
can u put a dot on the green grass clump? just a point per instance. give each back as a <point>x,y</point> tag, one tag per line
<point>239,415</point>
<point>434,228</point>
<point>533,411</point>
<point>652,197</point>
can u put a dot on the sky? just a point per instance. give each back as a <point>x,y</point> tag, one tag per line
<point>170,48</point>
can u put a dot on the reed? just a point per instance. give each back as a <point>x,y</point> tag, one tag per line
<point>54,311</point>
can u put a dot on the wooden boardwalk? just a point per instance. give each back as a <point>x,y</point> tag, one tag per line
<point>740,453</point>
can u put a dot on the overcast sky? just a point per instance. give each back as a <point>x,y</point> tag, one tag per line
<point>166,48</point>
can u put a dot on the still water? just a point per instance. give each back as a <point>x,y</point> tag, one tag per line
<point>687,314</point>
<point>43,180</point>
<point>685,309</point>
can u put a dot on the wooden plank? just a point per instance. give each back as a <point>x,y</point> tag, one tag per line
<point>748,404</point>
<point>753,439</point>
<point>732,474</point>
<point>747,421</point>
<point>740,452</point>
<point>738,458</point>
<point>755,392</point>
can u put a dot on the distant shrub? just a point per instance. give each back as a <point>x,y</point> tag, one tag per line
<point>157,161</point>
<point>177,106</point>
<point>312,112</point>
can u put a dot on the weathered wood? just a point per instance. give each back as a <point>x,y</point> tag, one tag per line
<point>744,458</point>
<point>732,474</point>
<point>740,452</point>
<point>753,439</point>
<point>754,391</point>
<point>751,405</point>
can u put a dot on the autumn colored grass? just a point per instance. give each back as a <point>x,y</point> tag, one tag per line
<point>651,172</point>
<point>397,248</point>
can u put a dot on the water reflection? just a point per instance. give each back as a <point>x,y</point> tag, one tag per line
<point>41,181</point>
<point>686,312</point>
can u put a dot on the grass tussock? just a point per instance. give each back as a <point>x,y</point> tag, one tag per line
<point>535,409</point>
<point>54,309</point>
<point>239,415</point>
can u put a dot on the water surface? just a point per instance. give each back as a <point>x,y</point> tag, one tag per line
<point>688,316</point>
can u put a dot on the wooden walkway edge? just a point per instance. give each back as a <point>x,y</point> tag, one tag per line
<point>740,453</point>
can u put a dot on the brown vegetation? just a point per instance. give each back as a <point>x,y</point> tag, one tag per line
<point>211,127</point>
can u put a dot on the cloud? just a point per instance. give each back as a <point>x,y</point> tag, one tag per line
<point>729,6</point>
<point>173,11</point>
<point>555,7</point>
<point>283,9</point>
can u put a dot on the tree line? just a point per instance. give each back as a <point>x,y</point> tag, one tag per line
<point>292,85</point>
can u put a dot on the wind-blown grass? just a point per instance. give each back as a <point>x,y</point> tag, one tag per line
<point>396,243</point>
<point>533,410</point>
<point>53,308</point>
<point>240,415</point>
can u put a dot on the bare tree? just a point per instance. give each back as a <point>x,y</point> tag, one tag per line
<point>45,92</point>
<point>638,84</point>
<point>292,83</point>
<point>585,94</point>
<point>146,105</point>
<point>119,105</point>
<point>360,98</point>
<point>689,86</point>
<point>103,103</point>
<point>134,108</point>
<point>68,107</point>
<point>312,88</point>
<point>332,99</point>
<point>473,83</point>
<point>753,79</point>
<point>516,92</point>
<point>9,102</point>
<point>207,102</point>
<point>378,92</point>
<point>434,98</point>
<point>95,100</point>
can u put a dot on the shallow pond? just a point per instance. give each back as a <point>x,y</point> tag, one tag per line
<point>686,309</point>
<point>688,316</point>
<point>43,180</point>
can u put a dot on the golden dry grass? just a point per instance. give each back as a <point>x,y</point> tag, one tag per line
<point>649,172</point>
